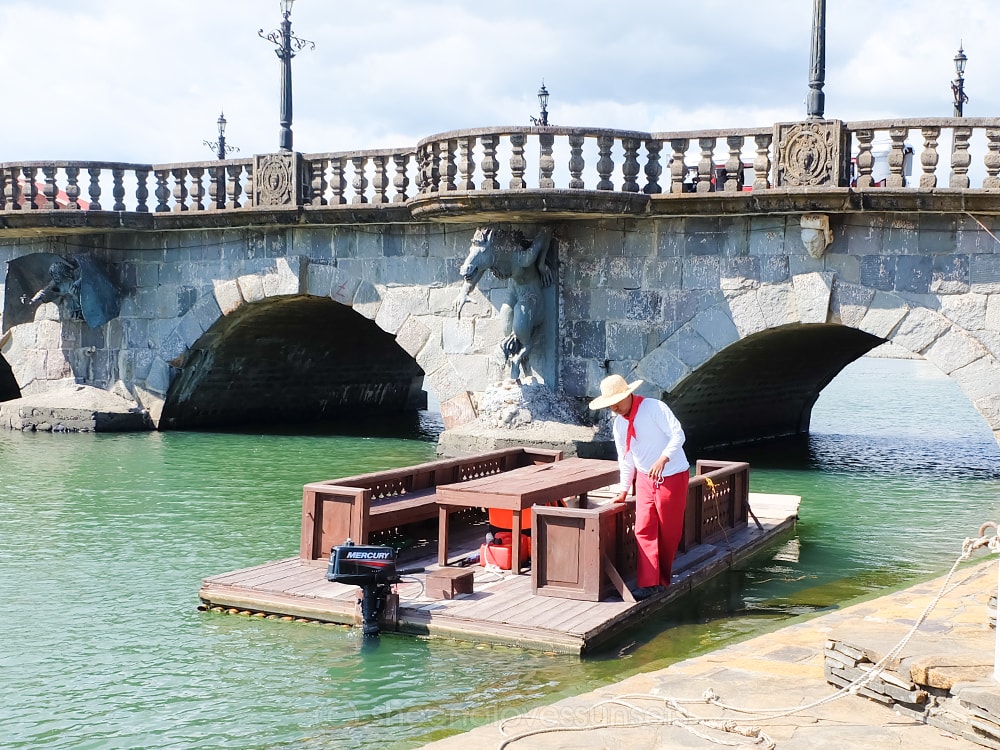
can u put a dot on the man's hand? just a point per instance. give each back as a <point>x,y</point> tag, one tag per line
<point>656,470</point>
<point>621,496</point>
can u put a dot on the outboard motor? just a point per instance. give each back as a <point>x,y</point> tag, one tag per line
<point>373,569</point>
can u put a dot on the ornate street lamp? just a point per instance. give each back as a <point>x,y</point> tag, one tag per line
<point>219,146</point>
<point>958,85</point>
<point>283,39</point>
<point>543,102</point>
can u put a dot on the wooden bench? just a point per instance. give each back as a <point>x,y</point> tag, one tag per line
<point>588,553</point>
<point>356,507</point>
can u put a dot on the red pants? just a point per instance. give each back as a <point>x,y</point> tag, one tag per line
<point>659,524</point>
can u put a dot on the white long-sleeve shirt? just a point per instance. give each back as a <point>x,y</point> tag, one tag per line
<point>657,433</point>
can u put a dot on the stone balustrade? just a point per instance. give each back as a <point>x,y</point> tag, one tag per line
<point>914,154</point>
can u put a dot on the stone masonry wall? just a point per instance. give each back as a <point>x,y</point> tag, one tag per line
<point>649,298</point>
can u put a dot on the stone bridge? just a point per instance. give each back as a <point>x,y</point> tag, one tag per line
<point>737,279</point>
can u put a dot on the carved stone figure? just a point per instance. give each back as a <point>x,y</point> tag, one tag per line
<point>63,289</point>
<point>525,266</point>
<point>816,233</point>
<point>78,285</point>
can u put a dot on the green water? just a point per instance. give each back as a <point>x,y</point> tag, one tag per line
<point>104,540</point>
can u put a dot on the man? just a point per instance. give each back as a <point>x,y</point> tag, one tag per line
<point>650,445</point>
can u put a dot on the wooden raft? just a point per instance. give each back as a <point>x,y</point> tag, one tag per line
<point>502,608</point>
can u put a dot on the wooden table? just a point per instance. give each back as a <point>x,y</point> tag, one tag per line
<point>521,488</point>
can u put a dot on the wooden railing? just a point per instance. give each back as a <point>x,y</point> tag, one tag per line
<point>718,502</point>
<point>918,154</point>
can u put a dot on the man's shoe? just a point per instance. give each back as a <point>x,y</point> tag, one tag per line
<point>647,591</point>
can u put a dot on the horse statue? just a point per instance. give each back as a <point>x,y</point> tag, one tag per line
<point>525,266</point>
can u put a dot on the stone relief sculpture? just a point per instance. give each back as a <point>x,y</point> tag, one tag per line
<point>811,154</point>
<point>816,233</point>
<point>525,266</point>
<point>78,285</point>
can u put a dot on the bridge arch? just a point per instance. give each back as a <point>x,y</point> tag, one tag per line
<point>325,343</point>
<point>9,389</point>
<point>753,365</point>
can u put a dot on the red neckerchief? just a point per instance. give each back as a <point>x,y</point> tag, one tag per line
<point>630,433</point>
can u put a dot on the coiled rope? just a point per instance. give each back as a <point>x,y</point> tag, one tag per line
<point>736,727</point>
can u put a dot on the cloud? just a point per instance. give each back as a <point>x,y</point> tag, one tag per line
<point>144,82</point>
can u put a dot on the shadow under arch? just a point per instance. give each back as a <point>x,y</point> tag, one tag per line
<point>9,389</point>
<point>290,359</point>
<point>765,385</point>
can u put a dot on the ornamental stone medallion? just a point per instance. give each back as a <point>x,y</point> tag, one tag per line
<point>811,154</point>
<point>276,178</point>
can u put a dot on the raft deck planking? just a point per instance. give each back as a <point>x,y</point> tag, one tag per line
<point>502,608</point>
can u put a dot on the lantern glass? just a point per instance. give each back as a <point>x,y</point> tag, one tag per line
<point>960,60</point>
<point>543,97</point>
<point>222,124</point>
<point>286,7</point>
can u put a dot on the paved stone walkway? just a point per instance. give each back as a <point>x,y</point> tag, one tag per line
<point>778,670</point>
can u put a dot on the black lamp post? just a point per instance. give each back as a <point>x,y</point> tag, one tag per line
<point>219,146</point>
<point>958,85</point>
<point>543,102</point>
<point>283,39</point>
<point>815,99</point>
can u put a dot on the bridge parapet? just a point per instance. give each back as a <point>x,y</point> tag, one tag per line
<point>466,174</point>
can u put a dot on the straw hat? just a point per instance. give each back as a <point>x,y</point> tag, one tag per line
<point>613,389</point>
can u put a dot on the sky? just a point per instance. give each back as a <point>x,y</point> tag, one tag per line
<point>145,80</point>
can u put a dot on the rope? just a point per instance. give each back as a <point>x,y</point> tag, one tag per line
<point>718,516</point>
<point>755,735</point>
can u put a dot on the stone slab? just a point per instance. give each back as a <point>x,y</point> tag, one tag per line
<point>73,408</point>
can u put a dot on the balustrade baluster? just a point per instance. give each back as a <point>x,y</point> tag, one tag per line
<point>653,167</point>
<point>897,157</point>
<point>94,191</point>
<point>118,188</point>
<point>546,162</point>
<point>434,167</point>
<point>32,193</point>
<point>249,183</point>
<point>360,182</point>
<point>141,190</point>
<point>466,164</point>
<point>706,165</point>
<point>630,165</point>
<point>6,190</point>
<point>762,161</point>
<point>865,159</point>
<point>338,182</point>
<point>960,158</point>
<point>400,181</point>
<point>424,169</point>
<point>233,188</point>
<point>197,188</point>
<point>929,157</point>
<point>991,159</point>
<point>380,179</point>
<point>734,165</point>
<point>216,183</point>
<point>518,165</point>
<point>490,164</point>
<point>72,187</point>
<point>317,181</point>
<point>678,169</point>
<point>50,190</point>
<point>448,166</point>
<point>180,189</point>
<point>576,162</point>
<point>605,164</point>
